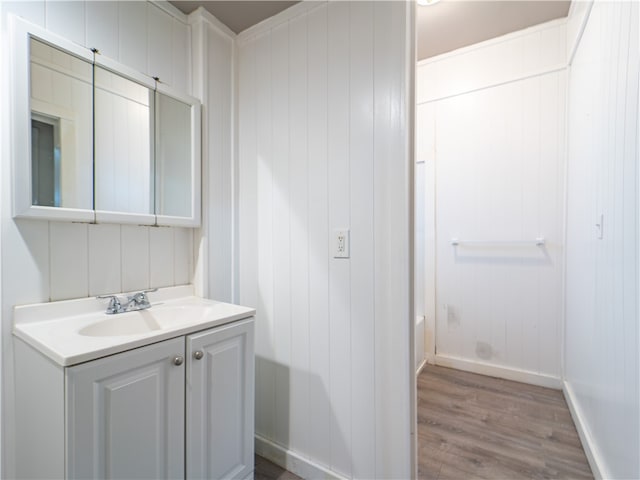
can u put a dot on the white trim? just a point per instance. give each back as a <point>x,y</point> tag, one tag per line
<point>499,371</point>
<point>517,78</point>
<point>494,41</point>
<point>588,445</point>
<point>203,15</point>
<point>290,13</point>
<point>421,367</point>
<point>583,25</point>
<point>292,461</point>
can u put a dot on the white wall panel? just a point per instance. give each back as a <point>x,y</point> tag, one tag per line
<point>339,218</point>
<point>69,260</point>
<point>361,186</point>
<point>332,334</point>
<point>602,321</point>
<point>105,271</point>
<point>181,62</point>
<point>102,27</point>
<point>135,257</point>
<point>318,215</point>
<point>132,34</point>
<point>507,58</point>
<point>161,265</point>
<point>216,83</point>
<point>298,227</point>
<point>496,140</point>
<point>160,44</point>
<point>66,18</point>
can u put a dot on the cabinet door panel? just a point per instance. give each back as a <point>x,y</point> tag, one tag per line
<point>126,415</point>
<point>220,402</point>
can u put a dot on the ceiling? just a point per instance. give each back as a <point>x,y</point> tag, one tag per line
<point>238,15</point>
<point>452,24</point>
<point>442,27</point>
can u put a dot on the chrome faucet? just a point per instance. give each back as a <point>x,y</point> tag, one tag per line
<point>134,302</point>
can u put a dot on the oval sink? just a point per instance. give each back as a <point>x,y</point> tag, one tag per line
<point>145,321</point>
<point>132,323</point>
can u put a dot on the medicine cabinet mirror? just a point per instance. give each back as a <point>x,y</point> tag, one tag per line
<point>96,141</point>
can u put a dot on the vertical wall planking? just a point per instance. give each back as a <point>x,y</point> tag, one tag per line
<point>159,43</point>
<point>338,48</point>
<point>361,178</point>
<point>318,201</point>
<point>281,225</point>
<point>265,349</point>
<point>102,27</point>
<point>393,124</point>
<point>132,34</point>
<point>336,73</point>
<point>503,183</point>
<point>66,18</point>
<point>601,340</point>
<point>299,225</point>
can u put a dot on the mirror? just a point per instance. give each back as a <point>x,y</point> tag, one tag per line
<point>61,132</point>
<point>176,146</point>
<point>96,141</point>
<point>123,147</point>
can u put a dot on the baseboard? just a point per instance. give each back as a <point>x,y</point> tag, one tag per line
<point>303,467</point>
<point>515,374</point>
<point>588,445</point>
<point>421,366</point>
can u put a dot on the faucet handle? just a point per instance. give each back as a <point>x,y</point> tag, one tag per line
<point>114,303</point>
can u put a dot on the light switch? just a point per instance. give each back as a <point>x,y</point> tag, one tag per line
<point>341,243</point>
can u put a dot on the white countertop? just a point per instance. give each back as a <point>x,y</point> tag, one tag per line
<point>66,331</point>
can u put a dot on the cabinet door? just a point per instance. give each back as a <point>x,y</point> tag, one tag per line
<point>220,386</point>
<point>125,414</point>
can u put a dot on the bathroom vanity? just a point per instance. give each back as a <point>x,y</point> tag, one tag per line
<point>165,392</point>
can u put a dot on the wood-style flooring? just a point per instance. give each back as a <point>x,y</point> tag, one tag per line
<point>473,426</point>
<point>266,470</point>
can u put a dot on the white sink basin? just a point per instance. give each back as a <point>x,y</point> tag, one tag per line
<point>75,331</point>
<point>145,321</point>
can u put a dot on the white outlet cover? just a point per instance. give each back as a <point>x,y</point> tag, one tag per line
<point>341,243</point>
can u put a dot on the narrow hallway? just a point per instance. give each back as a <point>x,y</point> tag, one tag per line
<point>473,426</point>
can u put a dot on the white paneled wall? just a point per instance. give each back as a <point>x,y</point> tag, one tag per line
<point>213,51</point>
<point>602,374</point>
<point>491,130</point>
<point>47,261</point>
<point>323,145</point>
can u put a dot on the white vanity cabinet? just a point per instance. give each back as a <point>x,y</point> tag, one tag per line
<point>179,408</point>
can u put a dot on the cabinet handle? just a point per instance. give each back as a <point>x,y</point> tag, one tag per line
<point>178,360</point>
<point>198,354</point>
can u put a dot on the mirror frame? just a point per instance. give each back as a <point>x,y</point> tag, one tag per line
<point>20,32</point>
<point>192,220</point>
<point>20,36</point>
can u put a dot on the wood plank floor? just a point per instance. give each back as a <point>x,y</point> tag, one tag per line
<point>266,470</point>
<point>473,426</point>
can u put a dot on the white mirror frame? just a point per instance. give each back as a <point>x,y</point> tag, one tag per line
<point>194,219</point>
<point>21,33</point>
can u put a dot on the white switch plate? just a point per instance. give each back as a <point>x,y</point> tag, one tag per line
<point>341,243</point>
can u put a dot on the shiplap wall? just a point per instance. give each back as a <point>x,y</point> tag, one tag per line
<point>214,74</point>
<point>602,375</point>
<point>323,144</point>
<point>491,121</point>
<point>43,261</point>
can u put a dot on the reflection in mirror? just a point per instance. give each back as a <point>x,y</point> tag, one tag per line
<point>173,157</point>
<point>123,149</point>
<point>61,128</point>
